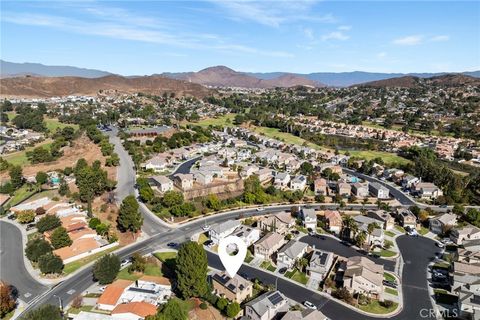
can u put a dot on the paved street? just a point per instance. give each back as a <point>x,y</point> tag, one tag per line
<point>12,266</point>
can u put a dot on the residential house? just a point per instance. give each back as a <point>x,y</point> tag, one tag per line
<point>266,247</point>
<point>162,183</point>
<point>281,180</point>
<point>222,230</point>
<point>362,275</point>
<point>360,190</point>
<point>378,190</point>
<point>319,264</point>
<point>235,289</point>
<point>203,177</point>
<point>157,163</point>
<point>458,235</point>
<point>427,190</point>
<point>248,234</point>
<point>441,223</point>
<point>184,181</point>
<point>468,303</point>
<point>375,238</point>
<point>309,218</point>
<point>112,293</point>
<point>409,181</point>
<point>464,274</point>
<point>264,175</point>
<point>266,306</point>
<point>298,183</point>
<point>333,221</point>
<point>384,216</point>
<point>406,218</point>
<point>279,222</point>
<point>249,170</point>
<point>305,314</point>
<point>344,189</point>
<point>320,186</point>
<point>134,310</point>
<point>290,252</point>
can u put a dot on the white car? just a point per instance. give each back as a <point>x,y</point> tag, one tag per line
<point>206,228</point>
<point>260,209</point>
<point>309,305</point>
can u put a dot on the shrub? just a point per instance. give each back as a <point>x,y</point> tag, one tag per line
<point>77,302</point>
<point>40,211</point>
<point>386,303</point>
<point>60,238</point>
<point>138,263</point>
<point>50,263</point>
<point>46,311</point>
<point>94,222</point>
<point>222,304</point>
<point>203,306</point>
<point>232,309</point>
<point>26,216</point>
<point>36,248</point>
<point>49,222</point>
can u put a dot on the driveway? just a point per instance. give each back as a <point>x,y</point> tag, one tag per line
<point>12,266</point>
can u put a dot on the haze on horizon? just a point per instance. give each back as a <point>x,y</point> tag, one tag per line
<point>135,38</point>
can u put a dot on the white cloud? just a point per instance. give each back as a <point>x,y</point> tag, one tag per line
<point>335,35</point>
<point>440,38</point>
<point>344,28</point>
<point>408,40</point>
<point>308,32</point>
<point>272,13</point>
<point>381,55</point>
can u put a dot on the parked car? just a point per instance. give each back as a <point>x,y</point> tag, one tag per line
<point>172,244</point>
<point>28,228</point>
<point>12,217</point>
<point>31,225</point>
<point>282,270</point>
<point>440,245</point>
<point>260,209</point>
<point>309,305</point>
<point>208,243</point>
<point>390,284</point>
<point>346,243</point>
<point>206,228</point>
<point>125,262</point>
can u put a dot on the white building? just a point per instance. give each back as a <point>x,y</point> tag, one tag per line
<point>222,230</point>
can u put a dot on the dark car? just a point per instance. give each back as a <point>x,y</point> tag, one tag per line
<point>12,217</point>
<point>31,225</point>
<point>375,255</point>
<point>390,284</point>
<point>346,243</point>
<point>282,270</point>
<point>172,244</point>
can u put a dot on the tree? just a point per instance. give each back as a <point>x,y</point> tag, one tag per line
<point>26,216</point>
<point>306,168</point>
<point>60,238</point>
<point>7,302</point>
<point>93,223</point>
<point>172,198</point>
<point>63,188</point>
<point>361,238</point>
<point>46,311</point>
<point>174,309</point>
<point>41,177</point>
<point>102,228</point>
<point>212,202</point>
<point>49,222</point>
<point>138,263</point>
<point>105,270</point>
<point>222,304</point>
<point>50,263</point>
<point>36,248</point>
<point>233,309</point>
<point>146,193</point>
<point>16,176</point>
<point>192,270</point>
<point>129,216</point>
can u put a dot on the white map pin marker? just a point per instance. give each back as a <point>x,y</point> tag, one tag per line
<point>232,262</point>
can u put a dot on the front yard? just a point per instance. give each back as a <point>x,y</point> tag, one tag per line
<point>75,265</point>
<point>297,276</point>
<point>268,266</point>
<point>376,307</point>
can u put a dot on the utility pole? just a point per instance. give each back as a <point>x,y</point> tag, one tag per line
<point>60,303</point>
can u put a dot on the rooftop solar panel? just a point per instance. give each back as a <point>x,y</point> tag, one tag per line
<point>275,298</point>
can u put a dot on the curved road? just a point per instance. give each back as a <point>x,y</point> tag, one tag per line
<point>416,295</point>
<point>12,265</point>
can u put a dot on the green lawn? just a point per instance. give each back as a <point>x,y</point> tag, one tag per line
<point>386,253</point>
<point>287,137</point>
<point>164,256</point>
<point>82,308</point>
<point>33,235</point>
<point>20,195</point>
<point>225,120</point>
<point>20,157</point>
<point>423,231</point>
<point>151,269</point>
<point>391,291</point>
<point>389,277</point>
<point>388,158</point>
<point>375,307</point>
<point>53,124</point>
<point>400,228</point>
<point>390,234</point>
<point>301,229</point>
<point>75,265</point>
<point>248,257</point>
<point>300,277</point>
<point>267,265</point>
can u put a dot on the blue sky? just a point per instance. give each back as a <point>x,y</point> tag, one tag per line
<point>295,36</point>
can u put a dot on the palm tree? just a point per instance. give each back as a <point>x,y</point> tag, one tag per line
<point>361,238</point>
<point>349,226</point>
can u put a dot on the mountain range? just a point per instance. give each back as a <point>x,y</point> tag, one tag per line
<point>224,76</point>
